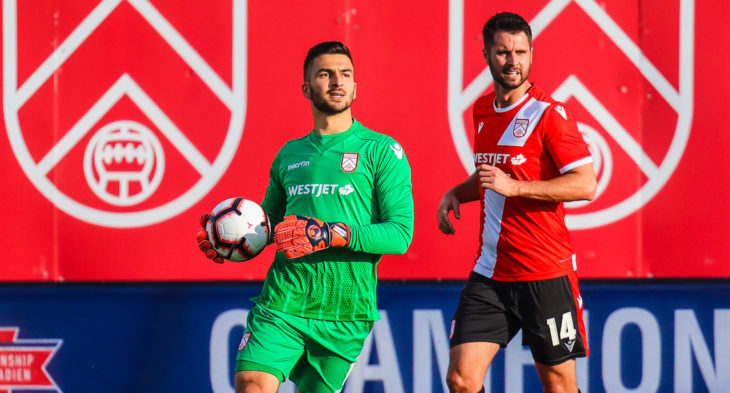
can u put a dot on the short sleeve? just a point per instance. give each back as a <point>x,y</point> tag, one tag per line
<point>563,140</point>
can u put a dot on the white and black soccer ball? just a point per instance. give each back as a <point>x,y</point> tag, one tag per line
<point>238,229</point>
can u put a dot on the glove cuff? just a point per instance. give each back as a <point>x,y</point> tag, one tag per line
<point>339,234</point>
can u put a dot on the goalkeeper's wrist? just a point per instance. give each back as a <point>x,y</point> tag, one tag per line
<point>339,234</point>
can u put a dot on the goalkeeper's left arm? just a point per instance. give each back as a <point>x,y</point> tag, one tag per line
<point>390,234</point>
<point>394,193</point>
<point>298,236</point>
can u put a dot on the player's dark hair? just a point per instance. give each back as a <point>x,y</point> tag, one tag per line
<point>325,48</point>
<point>505,21</point>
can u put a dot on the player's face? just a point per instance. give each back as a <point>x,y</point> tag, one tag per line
<point>509,59</point>
<point>330,85</point>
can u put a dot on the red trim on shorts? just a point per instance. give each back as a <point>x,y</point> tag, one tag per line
<point>573,277</point>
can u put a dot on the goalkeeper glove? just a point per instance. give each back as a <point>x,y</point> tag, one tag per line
<point>298,236</point>
<point>204,244</point>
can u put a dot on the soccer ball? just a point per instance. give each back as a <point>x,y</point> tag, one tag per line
<point>238,229</point>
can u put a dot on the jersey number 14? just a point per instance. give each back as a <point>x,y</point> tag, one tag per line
<point>567,329</point>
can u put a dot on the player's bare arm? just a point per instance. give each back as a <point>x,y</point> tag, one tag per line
<point>573,185</point>
<point>467,191</point>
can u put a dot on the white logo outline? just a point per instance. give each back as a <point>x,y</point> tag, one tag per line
<point>149,154</point>
<point>398,150</point>
<point>569,345</point>
<point>234,98</point>
<point>681,101</point>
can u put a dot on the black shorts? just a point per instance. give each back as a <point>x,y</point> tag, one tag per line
<point>548,312</point>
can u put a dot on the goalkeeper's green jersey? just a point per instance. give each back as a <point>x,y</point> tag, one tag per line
<point>358,177</point>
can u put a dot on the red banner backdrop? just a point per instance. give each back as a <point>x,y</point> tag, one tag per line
<point>126,120</point>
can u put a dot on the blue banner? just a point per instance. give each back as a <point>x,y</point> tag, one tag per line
<point>644,336</point>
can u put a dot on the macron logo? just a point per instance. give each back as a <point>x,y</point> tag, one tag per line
<point>561,111</point>
<point>481,125</point>
<point>297,165</point>
<point>397,150</point>
<point>569,344</point>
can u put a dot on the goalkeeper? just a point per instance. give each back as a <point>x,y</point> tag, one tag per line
<point>340,197</point>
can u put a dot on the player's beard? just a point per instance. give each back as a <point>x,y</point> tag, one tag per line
<point>508,84</point>
<point>319,101</point>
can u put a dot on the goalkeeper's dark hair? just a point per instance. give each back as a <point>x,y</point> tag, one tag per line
<point>505,21</point>
<point>325,48</point>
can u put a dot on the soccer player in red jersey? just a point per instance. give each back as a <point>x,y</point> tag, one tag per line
<point>529,158</point>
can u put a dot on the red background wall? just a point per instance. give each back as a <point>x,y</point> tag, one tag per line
<point>401,55</point>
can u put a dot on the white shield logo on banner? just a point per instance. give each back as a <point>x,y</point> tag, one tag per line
<point>124,161</point>
<point>616,139</point>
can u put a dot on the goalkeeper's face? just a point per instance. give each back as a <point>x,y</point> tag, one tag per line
<point>330,84</point>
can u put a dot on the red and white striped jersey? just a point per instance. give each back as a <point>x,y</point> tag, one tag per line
<point>537,138</point>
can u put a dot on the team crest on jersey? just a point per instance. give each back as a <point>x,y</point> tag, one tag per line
<point>349,161</point>
<point>520,127</point>
<point>244,340</point>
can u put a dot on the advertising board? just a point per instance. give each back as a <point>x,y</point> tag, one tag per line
<point>183,338</point>
<point>124,121</point>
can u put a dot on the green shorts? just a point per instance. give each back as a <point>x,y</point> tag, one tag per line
<point>317,355</point>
